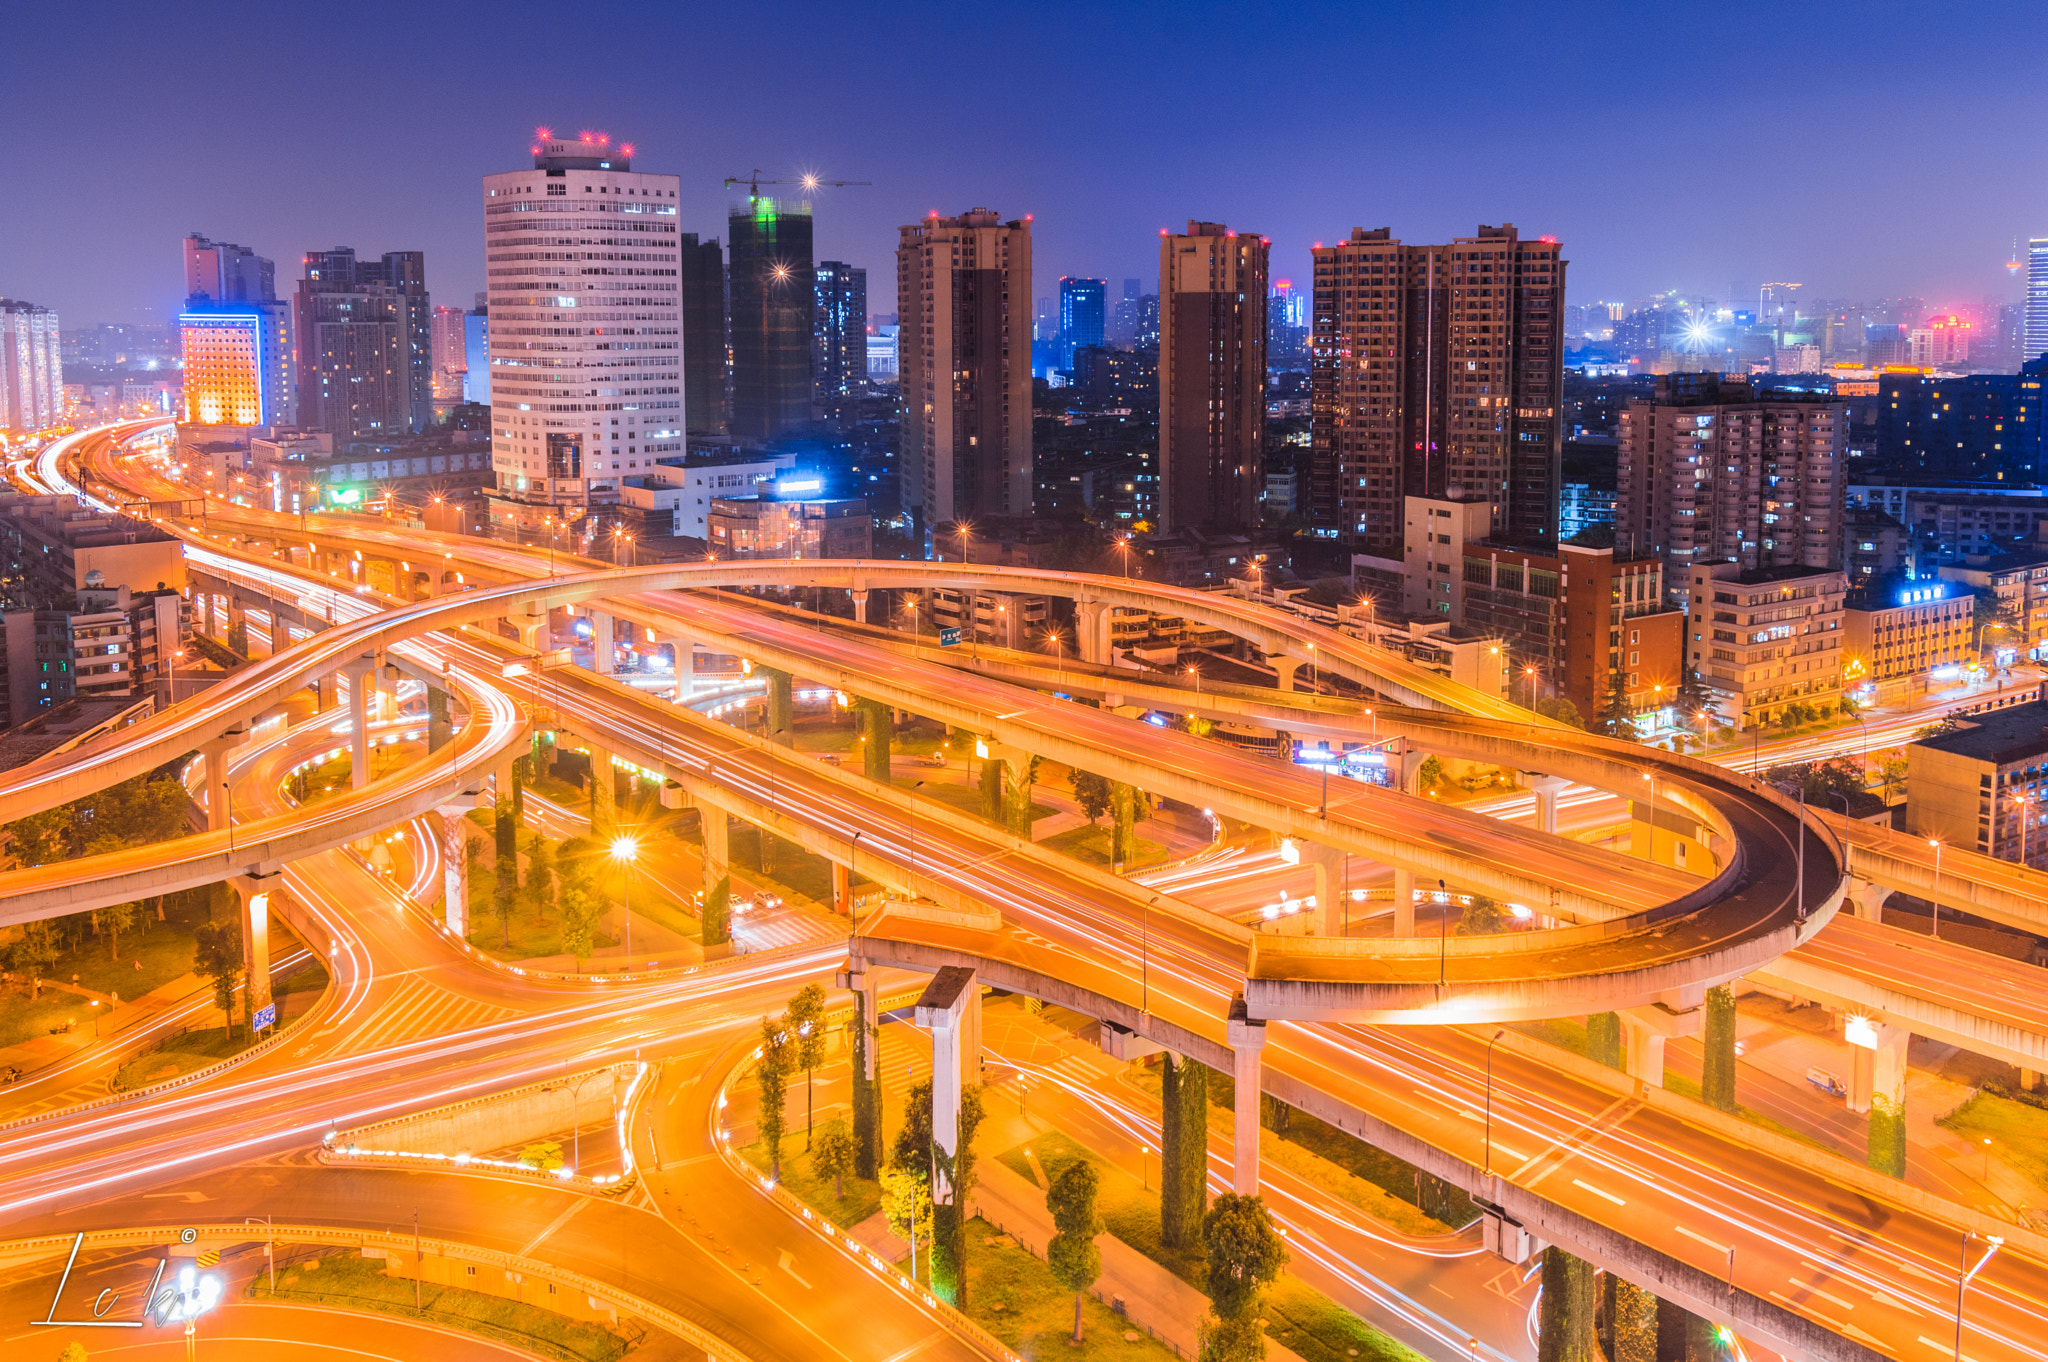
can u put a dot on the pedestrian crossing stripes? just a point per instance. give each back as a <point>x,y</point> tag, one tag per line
<point>418,1008</point>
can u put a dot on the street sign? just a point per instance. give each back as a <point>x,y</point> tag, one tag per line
<point>949,638</point>
<point>265,1016</point>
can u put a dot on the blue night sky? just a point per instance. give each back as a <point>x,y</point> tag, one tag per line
<point>1864,149</point>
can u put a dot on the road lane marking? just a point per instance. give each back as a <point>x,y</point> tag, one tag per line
<point>1701,1238</point>
<point>1947,1349</point>
<point>787,1259</point>
<point>553,1225</point>
<point>1807,1310</point>
<point>1577,1182</point>
<point>1815,1290</point>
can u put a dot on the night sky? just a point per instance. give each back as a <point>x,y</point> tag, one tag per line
<point>1862,149</point>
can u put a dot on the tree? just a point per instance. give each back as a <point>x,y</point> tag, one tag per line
<point>1073,1256</point>
<point>1230,1340</point>
<point>1482,917</point>
<point>505,893</point>
<point>1694,701</point>
<point>1092,793</point>
<point>1429,773</point>
<point>778,1055</point>
<point>1717,1049</point>
<point>218,957</point>
<point>1245,1254</point>
<point>579,923</point>
<point>833,1153</point>
<point>1183,1149</point>
<point>1560,710</point>
<point>73,1352</point>
<point>716,923</point>
<point>907,1202</point>
<point>1617,715</point>
<point>114,920</point>
<point>916,1147</point>
<point>807,1022</point>
<point>540,879</point>
<point>545,1155</point>
<point>34,953</point>
<point>1565,1311</point>
<point>1823,781</point>
<point>1892,774</point>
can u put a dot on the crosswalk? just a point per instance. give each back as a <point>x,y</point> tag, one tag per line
<point>418,1008</point>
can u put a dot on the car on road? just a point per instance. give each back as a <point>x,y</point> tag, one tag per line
<point>933,760</point>
<point>829,758</point>
<point>769,901</point>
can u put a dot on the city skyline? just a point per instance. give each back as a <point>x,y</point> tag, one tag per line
<point>1100,177</point>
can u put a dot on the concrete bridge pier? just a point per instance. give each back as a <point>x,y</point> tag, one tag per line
<point>685,655</point>
<point>455,867</point>
<point>1867,899</point>
<point>254,891</point>
<point>1089,617</point>
<point>1247,1046</point>
<point>717,834</point>
<point>1329,891</point>
<point>842,889</point>
<point>1877,1066</point>
<point>603,648</point>
<point>1647,1029</point>
<point>1286,669</point>
<point>1411,758</point>
<point>860,605</point>
<point>950,1008</point>
<point>1404,902</point>
<point>359,673</point>
<point>218,802</point>
<point>1546,789</point>
<point>531,625</point>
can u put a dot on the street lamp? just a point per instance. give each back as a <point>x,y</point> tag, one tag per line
<point>1934,894</point>
<point>1995,1242</point>
<point>625,851</point>
<point>1489,1100</point>
<point>192,1296</point>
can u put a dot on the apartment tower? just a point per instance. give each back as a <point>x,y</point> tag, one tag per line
<point>1212,377</point>
<point>365,344</point>
<point>963,294</point>
<point>31,367</point>
<point>842,319</point>
<point>586,326</point>
<point>705,368</point>
<point>1436,371</point>
<point>1709,470</point>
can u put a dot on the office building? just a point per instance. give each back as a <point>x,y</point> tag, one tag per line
<point>1763,639</point>
<point>365,331</point>
<point>586,370</point>
<point>31,367</point>
<point>476,353</point>
<point>1212,377</point>
<point>964,364</point>
<point>1083,315</point>
<point>1939,342</point>
<point>2036,324</point>
<point>683,489</point>
<point>793,527</point>
<point>1982,427</point>
<point>1711,469</point>
<point>773,291</point>
<point>1436,371</point>
<point>1974,785</point>
<point>1895,627</point>
<point>235,339</point>
<point>842,322</point>
<point>881,347</point>
<point>704,339</point>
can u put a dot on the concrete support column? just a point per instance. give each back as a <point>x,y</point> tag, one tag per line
<point>219,802</point>
<point>439,727</point>
<point>842,889</point>
<point>455,827</point>
<point>1404,902</point>
<point>1286,667</point>
<point>602,645</point>
<point>717,834</point>
<point>1326,862</point>
<point>1877,1062</point>
<point>531,628</point>
<point>876,728</point>
<point>359,725</point>
<point>1411,759</point>
<point>950,1008</point>
<point>1247,1070</point>
<point>1867,899</point>
<point>1089,617</point>
<point>604,795</point>
<point>254,892</point>
<point>1546,789</point>
<point>860,606</point>
<point>1646,1030</point>
<point>781,720</point>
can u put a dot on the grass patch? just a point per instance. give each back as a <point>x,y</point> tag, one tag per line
<point>196,1049</point>
<point>2017,1131</point>
<point>802,1180</point>
<point>1013,1296</point>
<point>164,950</point>
<point>1309,1323</point>
<point>1091,846</point>
<point>335,776</point>
<point>1562,1032</point>
<point>965,798</point>
<point>347,1280</point>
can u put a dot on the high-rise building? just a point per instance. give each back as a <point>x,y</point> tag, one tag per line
<point>964,359</point>
<point>476,352</point>
<point>451,357</point>
<point>1436,371</point>
<point>773,291</point>
<point>1978,427</point>
<point>705,352</point>
<point>586,369</point>
<point>842,321</point>
<point>1212,377</point>
<point>2037,299</point>
<point>31,367</point>
<point>235,338</point>
<point>1083,308</point>
<point>365,344</point>
<point>1709,469</point>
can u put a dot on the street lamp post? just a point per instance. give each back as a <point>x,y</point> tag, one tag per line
<point>1489,1101</point>
<point>625,851</point>
<point>1995,1243</point>
<point>1934,893</point>
<point>2021,800</point>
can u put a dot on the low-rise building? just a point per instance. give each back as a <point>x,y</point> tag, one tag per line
<point>765,527</point>
<point>1875,545</point>
<point>2019,583</point>
<point>1767,638</point>
<point>999,619</point>
<point>1893,628</point>
<point>684,488</point>
<point>1980,784</point>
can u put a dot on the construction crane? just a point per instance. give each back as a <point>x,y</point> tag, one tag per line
<point>754,182</point>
